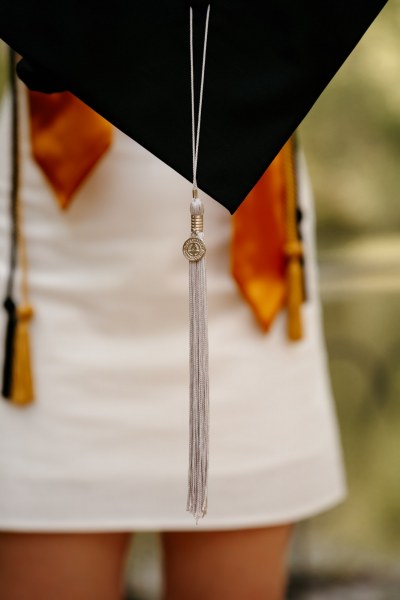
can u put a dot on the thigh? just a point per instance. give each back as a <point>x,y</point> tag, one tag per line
<point>70,566</point>
<point>234,564</point>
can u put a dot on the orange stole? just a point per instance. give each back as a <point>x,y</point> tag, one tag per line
<point>266,251</point>
<point>68,138</point>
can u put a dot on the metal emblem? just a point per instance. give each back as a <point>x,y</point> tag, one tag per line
<point>194,249</point>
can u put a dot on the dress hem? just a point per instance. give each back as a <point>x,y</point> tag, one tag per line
<point>127,525</point>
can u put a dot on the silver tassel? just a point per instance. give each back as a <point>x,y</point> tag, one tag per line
<point>194,250</point>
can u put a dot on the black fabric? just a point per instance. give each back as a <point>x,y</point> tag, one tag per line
<point>267,63</point>
<point>39,79</point>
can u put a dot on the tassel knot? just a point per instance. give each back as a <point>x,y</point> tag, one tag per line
<point>197,211</point>
<point>293,249</point>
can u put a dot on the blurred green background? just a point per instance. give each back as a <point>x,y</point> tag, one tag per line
<point>351,139</point>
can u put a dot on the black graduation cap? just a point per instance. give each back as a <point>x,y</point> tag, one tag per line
<point>267,63</point>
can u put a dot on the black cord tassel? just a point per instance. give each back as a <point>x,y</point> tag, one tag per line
<point>10,308</point>
<point>9,303</point>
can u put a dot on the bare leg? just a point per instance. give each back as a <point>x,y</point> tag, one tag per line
<point>226,565</point>
<point>70,566</point>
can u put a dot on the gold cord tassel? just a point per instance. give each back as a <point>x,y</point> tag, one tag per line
<point>294,276</point>
<point>293,249</point>
<point>194,250</point>
<point>22,392</point>
<point>22,381</point>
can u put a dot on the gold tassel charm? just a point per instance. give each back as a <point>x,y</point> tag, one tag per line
<point>22,380</point>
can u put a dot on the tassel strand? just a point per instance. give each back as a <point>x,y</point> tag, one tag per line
<point>194,250</point>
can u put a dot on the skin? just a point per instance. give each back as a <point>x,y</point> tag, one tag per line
<point>233,564</point>
<point>242,564</point>
<point>35,566</point>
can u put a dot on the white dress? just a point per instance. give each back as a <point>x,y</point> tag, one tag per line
<point>105,445</point>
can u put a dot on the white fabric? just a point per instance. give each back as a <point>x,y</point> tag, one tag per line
<point>105,445</point>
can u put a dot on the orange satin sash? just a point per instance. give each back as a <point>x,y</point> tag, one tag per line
<point>266,252</point>
<point>68,139</point>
